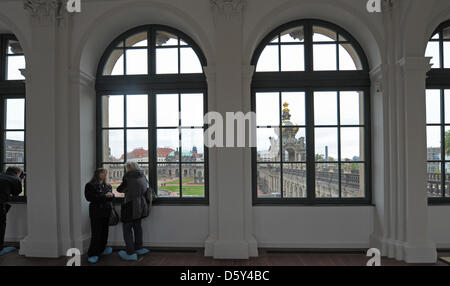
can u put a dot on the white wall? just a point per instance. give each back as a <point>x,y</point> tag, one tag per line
<point>16,224</point>
<point>440,225</point>
<point>313,227</point>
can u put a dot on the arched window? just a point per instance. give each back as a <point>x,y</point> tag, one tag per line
<point>12,104</point>
<point>151,99</point>
<point>311,96</point>
<point>438,116</point>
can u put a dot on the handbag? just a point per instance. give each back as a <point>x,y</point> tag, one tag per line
<point>113,217</point>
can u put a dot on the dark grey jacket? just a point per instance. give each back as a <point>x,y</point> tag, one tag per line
<point>134,186</point>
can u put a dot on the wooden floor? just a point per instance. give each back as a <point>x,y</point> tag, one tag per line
<point>159,257</point>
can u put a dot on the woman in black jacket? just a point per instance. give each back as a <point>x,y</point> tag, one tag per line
<point>100,196</point>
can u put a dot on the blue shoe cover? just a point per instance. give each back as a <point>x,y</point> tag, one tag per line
<point>108,250</point>
<point>125,256</point>
<point>93,259</point>
<point>142,251</point>
<point>7,250</point>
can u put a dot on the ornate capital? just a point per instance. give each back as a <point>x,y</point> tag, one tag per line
<point>45,12</point>
<point>228,7</point>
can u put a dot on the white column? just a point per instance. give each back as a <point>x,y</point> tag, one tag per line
<point>230,208</point>
<point>48,208</point>
<point>418,246</point>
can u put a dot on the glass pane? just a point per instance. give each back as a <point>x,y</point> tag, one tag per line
<point>268,145</point>
<point>15,147</point>
<point>447,180</point>
<point>114,64</point>
<point>326,142</point>
<point>433,99</point>
<point>294,35</point>
<point>168,180</point>
<point>166,39</point>
<point>325,108</point>
<point>269,60</point>
<point>193,185</point>
<point>113,111</point>
<point>434,142</point>
<point>14,47</point>
<point>189,61</point>
<point>15,114</point>
<point>351,103</point>
<point>268,109</point>
<point>447,143</point>
<point>22,167</point>
<point>292,58</point>
<point>167,110</point>
<point>446,55</point>
<point>15,64</point>
<point>325,57</point>
<point>167,61</point>
<point>168,145</point>
<point>447,105</point>
<point>321,34</point>
<point>269,181</point>
<point>293,112</point>
<point>137,145</point>
<point>138,40</point>
<point>115,176</point>
<point>446,33</point>
<point>113,146</point>
<point>294,144</point>
<point>192,145</point>
<point>352,144</point>
<point>327,180</point>
<point>192,110</point>
<point>137,62</point>
<point>352,180</point>
<point>434,180</point>
<point>294,180</point>
<point>137,110</point>
<point>348,58</point>
<point>436,36</point>
<point>433,52</point>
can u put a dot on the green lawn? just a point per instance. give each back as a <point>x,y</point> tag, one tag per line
<point>177,182</point>
<point>187,190</point>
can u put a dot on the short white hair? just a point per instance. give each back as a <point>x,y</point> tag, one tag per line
<point>132,166</point>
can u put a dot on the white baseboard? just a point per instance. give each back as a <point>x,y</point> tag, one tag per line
<point>171,244</point>
<point>323,245</point>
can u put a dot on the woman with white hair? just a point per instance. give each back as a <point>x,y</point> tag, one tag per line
<point>135,207</point>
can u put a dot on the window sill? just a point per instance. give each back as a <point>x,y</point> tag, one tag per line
<point>19,200</point>
<point>173,202</point>
<point>296,203</point>
<point>439,202</point>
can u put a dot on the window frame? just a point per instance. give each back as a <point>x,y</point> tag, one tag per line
<point>310,81</point>
<point>152,84</point>
<point>10,89</point>
<point>439,79</point>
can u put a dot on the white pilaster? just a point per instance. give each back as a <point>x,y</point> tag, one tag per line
<point>232,239</point>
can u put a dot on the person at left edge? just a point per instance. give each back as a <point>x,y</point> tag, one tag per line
<point>10,186</point>
<point>99,193</point>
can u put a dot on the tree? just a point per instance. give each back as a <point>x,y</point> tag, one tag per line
<point>447,142</point>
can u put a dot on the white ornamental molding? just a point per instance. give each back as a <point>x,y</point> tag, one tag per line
<point>228,7</point>
<point>45,12</point>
